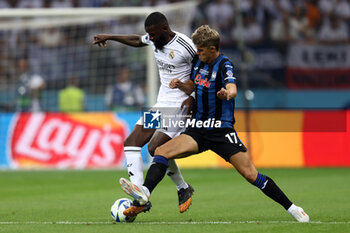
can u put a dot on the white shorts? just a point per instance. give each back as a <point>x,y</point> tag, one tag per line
<point>170,112</point>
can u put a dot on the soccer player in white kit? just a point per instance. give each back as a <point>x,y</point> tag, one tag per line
<point>173,52</point>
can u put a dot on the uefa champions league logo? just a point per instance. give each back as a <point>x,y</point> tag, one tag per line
<point>152,120</point>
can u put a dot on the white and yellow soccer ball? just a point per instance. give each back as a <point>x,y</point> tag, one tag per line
<point>118,208</point>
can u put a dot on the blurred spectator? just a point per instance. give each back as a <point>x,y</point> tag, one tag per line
<point>327,6</point>
<point>50,41</point>
<point>339,7</point>
<point>28,88</point>
<point>50,37</point>
<point>280,30</point>
<point>154,2</point>
<point>220,14</point>
<point>200,16</point>
<point>262,16</point>
<point>7,66</point>
<point>251,32</point>
<point>124,95</point>
<point>245,5</point>
<point>119,3</point>
<point>61,3</point>
<point>259,11</point>
<point>299,24</point>
<point>343,9</point>
<point>276,8</point>
<point>71,98</point>
<point>333,30</point>
<point>21,4</point>
<point>313,16</point>
<point>79,3</point>
<point>103,3</point>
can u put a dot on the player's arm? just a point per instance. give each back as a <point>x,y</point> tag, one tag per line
<point>229,92</point>
<point>186,87</point>
<point>131,40</point>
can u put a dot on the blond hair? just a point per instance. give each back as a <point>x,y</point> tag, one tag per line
<point>204,36</point>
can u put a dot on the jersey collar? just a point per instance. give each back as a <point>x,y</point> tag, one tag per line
<point>172,40</point>
<point>213,62</point>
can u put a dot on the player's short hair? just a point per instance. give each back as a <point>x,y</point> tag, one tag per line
<point>204,36</point>
<point>155,19</point>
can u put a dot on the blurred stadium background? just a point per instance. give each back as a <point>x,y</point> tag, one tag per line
<point>292,61</point>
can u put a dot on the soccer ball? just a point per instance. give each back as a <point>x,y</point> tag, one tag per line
<point>118,208</point>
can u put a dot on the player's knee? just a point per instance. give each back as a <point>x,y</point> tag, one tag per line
<point>250,175</point>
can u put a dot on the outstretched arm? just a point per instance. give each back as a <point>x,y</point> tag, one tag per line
<point>131,40</point>
<point>186,87</point>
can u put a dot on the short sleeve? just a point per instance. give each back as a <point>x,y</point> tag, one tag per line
<point>194,66</point>
<point>227,73</point>
<point>187,46</point>
<point>145,40</point>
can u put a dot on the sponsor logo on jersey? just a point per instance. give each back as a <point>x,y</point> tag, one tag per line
<point>202,82</point>
<point>162,66</point>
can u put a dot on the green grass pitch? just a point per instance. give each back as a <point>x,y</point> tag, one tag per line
<point>80,201</point>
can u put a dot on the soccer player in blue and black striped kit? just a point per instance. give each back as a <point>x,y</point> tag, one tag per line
<point>210,128</point>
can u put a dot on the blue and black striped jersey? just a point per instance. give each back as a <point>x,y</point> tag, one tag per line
<point>208,80</point>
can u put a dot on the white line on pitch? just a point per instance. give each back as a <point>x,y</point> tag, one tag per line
<point>165,223</point>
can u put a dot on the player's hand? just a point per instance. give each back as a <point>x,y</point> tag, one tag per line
<point>101,40</point>
<point>223,94</point>
<point>188,104</point>
<point>175,83</point>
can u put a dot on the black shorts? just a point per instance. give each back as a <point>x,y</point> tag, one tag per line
<point>223,141</point>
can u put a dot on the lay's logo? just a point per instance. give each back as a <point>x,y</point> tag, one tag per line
<point>60,140</point>
<point>202,82</point>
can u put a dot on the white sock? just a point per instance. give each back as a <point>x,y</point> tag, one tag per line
<point>134,164</point>
<point>175,175</point>
<point>147,192</point>
<point>291,208</point>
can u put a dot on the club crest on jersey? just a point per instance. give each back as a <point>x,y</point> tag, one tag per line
<point>213,75</point>
<point>202,82</point>
<point>172,54</point>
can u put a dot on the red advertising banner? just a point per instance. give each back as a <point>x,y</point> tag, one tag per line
<point>329,147</point>
<point>57,140</point>
<point>318,66</point>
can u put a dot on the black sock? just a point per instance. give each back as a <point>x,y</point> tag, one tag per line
<point>156,172</point>
<point>269,187</point>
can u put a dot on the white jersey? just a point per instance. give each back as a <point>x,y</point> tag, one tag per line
<point>173,61</point>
